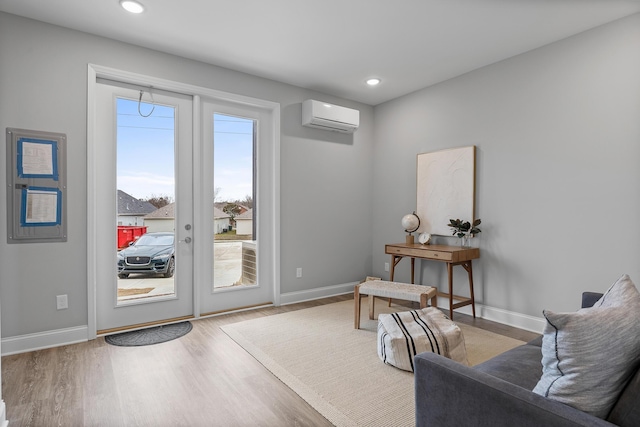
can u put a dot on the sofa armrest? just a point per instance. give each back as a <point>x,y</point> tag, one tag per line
<point>590,298</point>
<point>451,394</point>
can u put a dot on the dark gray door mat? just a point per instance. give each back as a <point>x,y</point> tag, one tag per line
<point>149,336</point>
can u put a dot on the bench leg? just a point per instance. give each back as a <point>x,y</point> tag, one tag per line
<point>372,303</point>
<point>423,300</point>
<point>356,306</point>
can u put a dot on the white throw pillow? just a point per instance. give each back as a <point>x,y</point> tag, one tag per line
<point>588,356</point>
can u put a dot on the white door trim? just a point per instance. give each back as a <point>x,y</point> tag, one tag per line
<point>98,71</point>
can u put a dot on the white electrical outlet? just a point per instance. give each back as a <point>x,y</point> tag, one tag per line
<point>299,272</point>
<point>386,266</point>
<point>62,302</point>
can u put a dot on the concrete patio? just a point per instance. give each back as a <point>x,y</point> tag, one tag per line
<point>227,270</point>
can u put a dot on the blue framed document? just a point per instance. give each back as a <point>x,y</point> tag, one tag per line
<point>37,158</point>
<point>36,186</point>
<point>40,207</point>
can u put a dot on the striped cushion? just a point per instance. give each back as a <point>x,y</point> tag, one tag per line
<point>403,335</point>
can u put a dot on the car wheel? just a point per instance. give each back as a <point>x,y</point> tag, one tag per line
<point>170,268</point>
<point>123,275</point>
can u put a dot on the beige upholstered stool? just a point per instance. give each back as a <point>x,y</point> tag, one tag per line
<point>384,289</point>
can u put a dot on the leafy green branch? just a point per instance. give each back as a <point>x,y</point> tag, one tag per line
<point>462,228</point>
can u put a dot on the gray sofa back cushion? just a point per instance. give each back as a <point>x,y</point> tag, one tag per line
<point>520,366</point>
<point>626,412</point>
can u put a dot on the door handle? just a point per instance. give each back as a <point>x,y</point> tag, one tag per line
<point>186,239</point>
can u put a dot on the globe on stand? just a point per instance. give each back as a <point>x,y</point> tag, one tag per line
<point>410,223</point>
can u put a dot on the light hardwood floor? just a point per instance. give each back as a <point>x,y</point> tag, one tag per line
<point>201,379</point>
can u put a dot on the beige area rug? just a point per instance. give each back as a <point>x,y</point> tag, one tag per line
<point>336,369</point>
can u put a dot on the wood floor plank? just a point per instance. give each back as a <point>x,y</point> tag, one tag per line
<point>201,379</point>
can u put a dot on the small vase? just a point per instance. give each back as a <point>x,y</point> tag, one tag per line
<point>465,241</point>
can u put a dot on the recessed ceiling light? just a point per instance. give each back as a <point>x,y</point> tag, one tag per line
<point>373,82</point>
<point>132,6</point>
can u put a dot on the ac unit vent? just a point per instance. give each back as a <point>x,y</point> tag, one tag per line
<point>322,115</point>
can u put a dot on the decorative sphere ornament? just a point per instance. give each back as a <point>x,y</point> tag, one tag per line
<point>410,222</point>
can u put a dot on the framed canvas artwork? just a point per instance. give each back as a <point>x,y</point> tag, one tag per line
<point>445,188</point>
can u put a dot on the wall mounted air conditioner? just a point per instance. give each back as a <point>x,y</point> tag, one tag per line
<point>321,115</point>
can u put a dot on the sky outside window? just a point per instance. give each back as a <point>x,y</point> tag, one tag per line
<point>145,154</point>
<point>233,157</point>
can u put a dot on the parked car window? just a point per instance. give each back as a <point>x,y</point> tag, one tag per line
<point>150,240</point>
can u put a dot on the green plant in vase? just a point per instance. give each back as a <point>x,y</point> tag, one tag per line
<point>465,230</point>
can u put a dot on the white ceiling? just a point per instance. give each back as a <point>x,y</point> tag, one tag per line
<point>333,46</point>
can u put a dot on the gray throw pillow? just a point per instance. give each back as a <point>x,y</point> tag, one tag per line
<point>588,356</point>
<point>622,292</point>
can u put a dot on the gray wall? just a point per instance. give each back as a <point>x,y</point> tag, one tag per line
<point>557,132</point>
<point>325,177</point>
<point>558,137</point>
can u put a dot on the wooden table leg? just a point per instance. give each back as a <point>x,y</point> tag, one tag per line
<point>450,273</point>
<point>356,307</point>
<point>413,270</point>
<point>467,266</point>
<point>393,267</point>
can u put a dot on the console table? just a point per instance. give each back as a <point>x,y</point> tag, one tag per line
<point>451,255</point>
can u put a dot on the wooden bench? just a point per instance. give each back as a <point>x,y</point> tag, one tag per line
<point>391,290</point>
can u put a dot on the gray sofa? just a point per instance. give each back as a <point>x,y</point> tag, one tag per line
<point>498,392</point>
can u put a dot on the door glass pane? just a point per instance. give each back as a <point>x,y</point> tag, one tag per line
<point>145,200</point>
<point>234,244</point>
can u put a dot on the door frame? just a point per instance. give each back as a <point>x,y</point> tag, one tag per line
<point>273,212</point>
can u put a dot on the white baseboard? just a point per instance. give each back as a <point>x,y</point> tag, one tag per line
<point>60,337</point>
<point>317,293</point>
<point>3,415</point>
<point>510,318</point>
<point>517,320</point>
<point>42,340</point>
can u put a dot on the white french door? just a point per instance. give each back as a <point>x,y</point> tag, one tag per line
<point>145,148</point>
<point>237,164</point>
<point>211,133</point>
